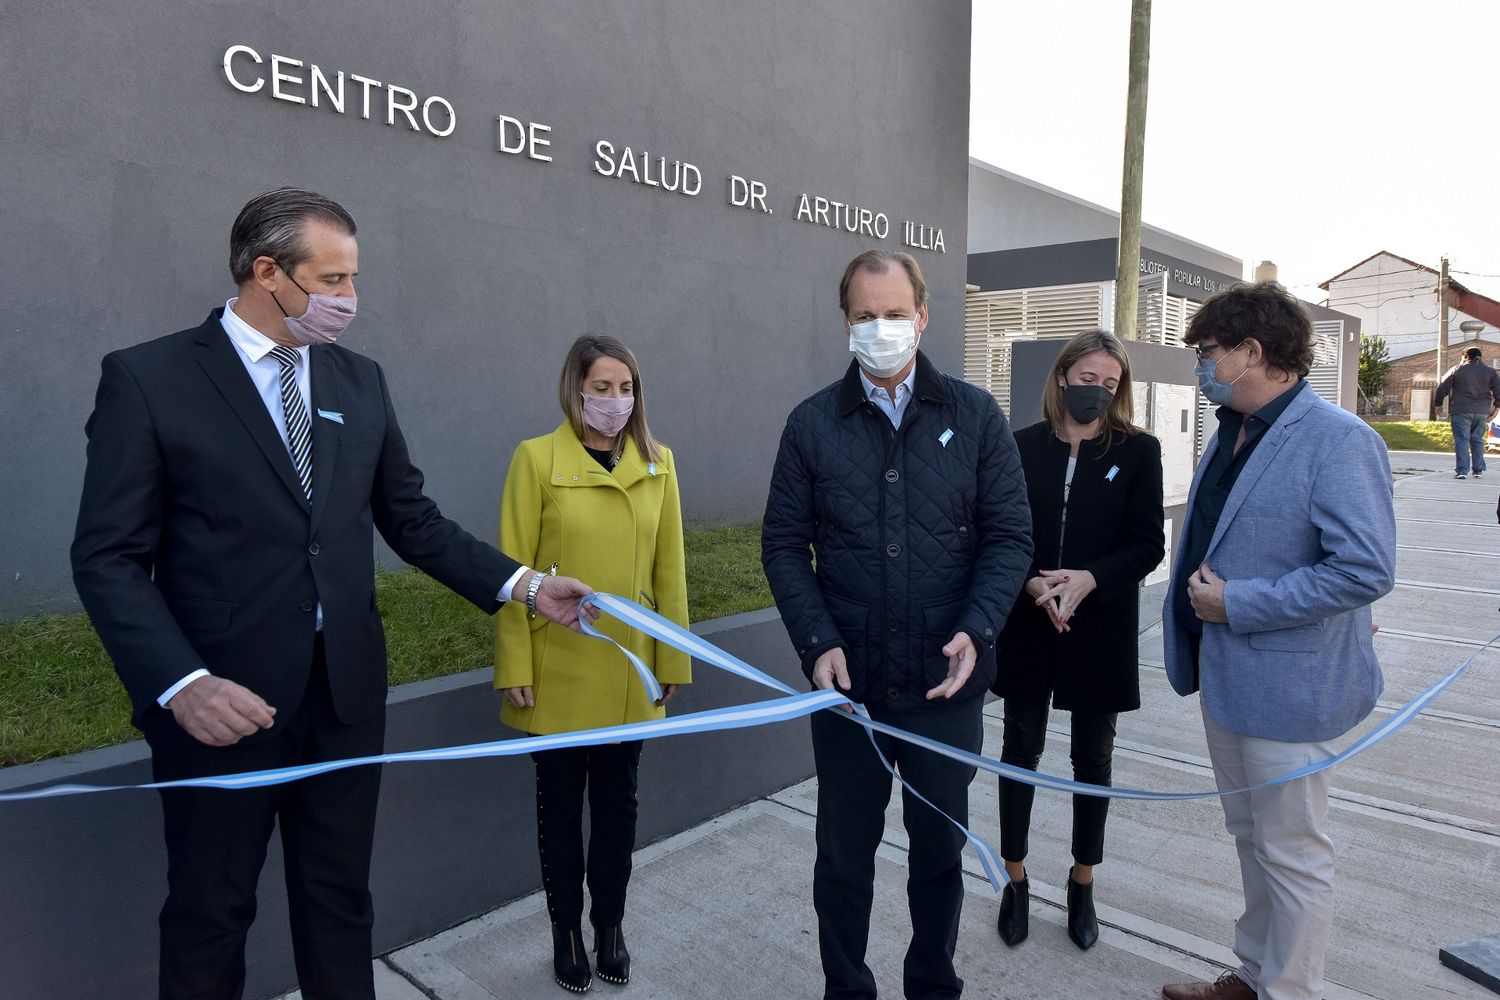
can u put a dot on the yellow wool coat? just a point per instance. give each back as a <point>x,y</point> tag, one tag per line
<point>618,532</point>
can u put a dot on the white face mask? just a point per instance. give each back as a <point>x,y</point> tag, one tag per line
<point>883,346</point>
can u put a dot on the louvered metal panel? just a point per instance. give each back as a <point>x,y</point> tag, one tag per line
<point>1328,335</point>
<point>1207,424</point>
<point>1161,317</point>
<point>993,321</point>
<point>1151,309</point>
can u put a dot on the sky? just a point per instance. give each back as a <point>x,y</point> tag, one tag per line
<point>1311,133</point>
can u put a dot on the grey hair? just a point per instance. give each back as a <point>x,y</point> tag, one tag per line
<point>272,225</point>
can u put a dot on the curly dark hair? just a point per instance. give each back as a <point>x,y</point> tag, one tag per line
<point>1264,311</point>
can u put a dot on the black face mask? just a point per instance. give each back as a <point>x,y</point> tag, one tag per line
<point>1087,403</point>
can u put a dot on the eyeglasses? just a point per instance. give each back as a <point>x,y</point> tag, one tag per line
<point>1205,352</point>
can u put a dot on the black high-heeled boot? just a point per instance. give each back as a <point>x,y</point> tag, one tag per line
<point>1083,925</point>
<point>611,960</point>
<point>570,962</point>
<point>1014,923</point>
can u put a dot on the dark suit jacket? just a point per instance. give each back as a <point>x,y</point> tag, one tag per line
<point>196,547</point>
<point>1115,531</point>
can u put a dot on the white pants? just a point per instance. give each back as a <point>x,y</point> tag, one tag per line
<point>1286,861</point>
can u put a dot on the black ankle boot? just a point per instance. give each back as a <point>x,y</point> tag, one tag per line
<point>570,962</point>
<point>611,960</point>
<point>1014,923</point>
<point>1083,926</point>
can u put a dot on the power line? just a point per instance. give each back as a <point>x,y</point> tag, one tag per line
<point>1381,274</point>
<point>1350,301</point>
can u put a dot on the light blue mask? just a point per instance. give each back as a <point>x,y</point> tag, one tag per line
<point>1213,390</point>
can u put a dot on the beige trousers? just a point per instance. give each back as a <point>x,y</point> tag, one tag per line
<point>1286,861</point>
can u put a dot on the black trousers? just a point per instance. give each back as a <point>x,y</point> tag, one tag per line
<point>1093,752</point>
<point>609,775</point>
<point>853,791</point>
<point>216,846</point>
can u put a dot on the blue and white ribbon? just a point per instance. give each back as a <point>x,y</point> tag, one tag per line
<point>791,705</point>
<point>735,717</point>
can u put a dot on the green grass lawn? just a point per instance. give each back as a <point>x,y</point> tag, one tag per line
<point>59,693</point>
<point>1415,435</point>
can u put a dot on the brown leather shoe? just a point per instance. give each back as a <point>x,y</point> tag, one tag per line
<point>1226,987</point>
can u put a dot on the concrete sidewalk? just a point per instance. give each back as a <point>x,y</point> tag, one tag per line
<point>724,910</point>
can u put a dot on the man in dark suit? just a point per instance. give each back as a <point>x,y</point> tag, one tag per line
<point>224,551</point>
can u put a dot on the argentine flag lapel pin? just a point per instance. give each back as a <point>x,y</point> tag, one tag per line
<point>945,437</point>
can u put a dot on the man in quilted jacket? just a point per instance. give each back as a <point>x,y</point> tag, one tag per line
<point>896,538</point>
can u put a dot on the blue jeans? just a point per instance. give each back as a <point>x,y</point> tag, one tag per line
<point>1468,440</point>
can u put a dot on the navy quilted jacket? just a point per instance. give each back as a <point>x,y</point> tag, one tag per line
<point>887,542</point>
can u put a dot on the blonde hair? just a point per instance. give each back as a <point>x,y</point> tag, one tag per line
<point>1117,420</point>
<point>575,371</point>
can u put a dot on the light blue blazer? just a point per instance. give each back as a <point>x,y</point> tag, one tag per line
<point>1306,543</point>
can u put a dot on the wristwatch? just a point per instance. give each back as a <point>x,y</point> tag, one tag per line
<point>536,585</point>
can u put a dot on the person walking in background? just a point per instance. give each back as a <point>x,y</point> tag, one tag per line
<point>597,496</point>
<point>1094,482</point>
<point>904,487</point>
<point>1474,388</point>
<point>225,553</point>
<point>1289,537</point>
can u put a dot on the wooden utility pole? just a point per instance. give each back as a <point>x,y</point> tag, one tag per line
<point>1442,352</point>
<point>1128,268</point>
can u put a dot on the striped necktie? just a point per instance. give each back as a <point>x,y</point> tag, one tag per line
<point>298,427</point>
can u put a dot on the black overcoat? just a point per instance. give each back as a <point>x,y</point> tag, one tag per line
<point>1114,530</point>
<point>887,542</point>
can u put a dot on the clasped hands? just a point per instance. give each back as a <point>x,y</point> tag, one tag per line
<point>1058,592</point>
<point>831,670</point>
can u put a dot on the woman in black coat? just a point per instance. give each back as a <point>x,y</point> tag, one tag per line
<point>1095,485</point>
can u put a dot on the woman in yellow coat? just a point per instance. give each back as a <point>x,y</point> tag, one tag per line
<point>598,499</point>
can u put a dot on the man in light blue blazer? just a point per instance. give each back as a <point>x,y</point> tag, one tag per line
<point>1289,537</point>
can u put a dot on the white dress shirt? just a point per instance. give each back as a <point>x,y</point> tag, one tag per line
<point>254,349</point>
<point>893,408</point>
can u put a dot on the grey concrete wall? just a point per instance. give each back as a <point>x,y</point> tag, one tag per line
<point>1008,211</point>
<point>128,153</point>
<point>83,877</point>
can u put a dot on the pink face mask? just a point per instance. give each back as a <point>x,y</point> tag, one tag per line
<point>326,317</point>
<point>607,414</point>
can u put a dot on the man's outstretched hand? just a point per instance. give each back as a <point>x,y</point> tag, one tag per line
<point>558,599</point>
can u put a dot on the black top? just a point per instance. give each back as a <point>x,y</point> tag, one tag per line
<point>1475,388</point>
<point>1213,491</point>
<point>1115,531</point>
<point>605,457</point>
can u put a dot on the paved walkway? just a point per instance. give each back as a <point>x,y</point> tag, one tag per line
<point>724,910</point>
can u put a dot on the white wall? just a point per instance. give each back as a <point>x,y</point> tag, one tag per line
<point>1397,303</point>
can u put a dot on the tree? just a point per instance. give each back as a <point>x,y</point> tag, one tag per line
<point>1374,371</point>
